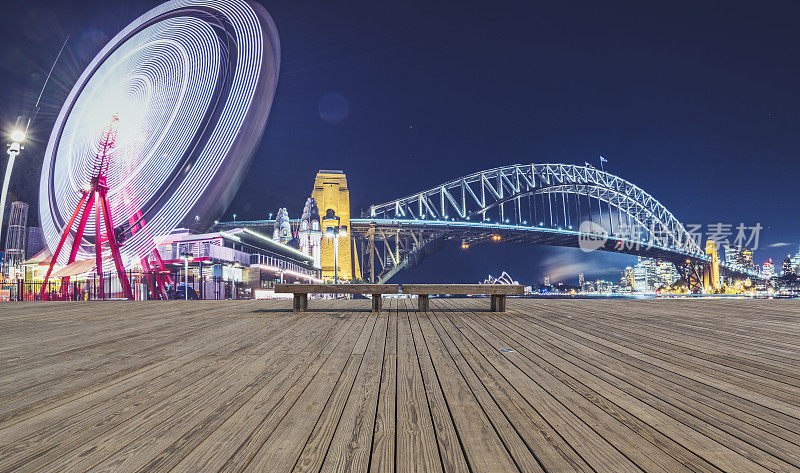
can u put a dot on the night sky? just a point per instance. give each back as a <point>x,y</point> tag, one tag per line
<point>696,102</point>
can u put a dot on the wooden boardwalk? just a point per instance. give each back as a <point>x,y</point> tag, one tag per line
<point>550,385</point>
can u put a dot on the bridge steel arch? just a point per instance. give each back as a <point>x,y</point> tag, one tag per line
<point>540,203</point>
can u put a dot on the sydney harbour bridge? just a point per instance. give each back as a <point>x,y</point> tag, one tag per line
<point>541,204</point>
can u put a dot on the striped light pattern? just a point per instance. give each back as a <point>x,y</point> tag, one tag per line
<point>192,82</point>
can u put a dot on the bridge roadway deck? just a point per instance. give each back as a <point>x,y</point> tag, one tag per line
<point>604,386</point>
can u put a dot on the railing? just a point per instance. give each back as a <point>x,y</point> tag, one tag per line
<point>143,285</point>
<point>229,255</point>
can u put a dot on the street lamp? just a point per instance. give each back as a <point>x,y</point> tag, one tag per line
<point>14,148</point>
<point>186,257</point>
<point>334,232</point>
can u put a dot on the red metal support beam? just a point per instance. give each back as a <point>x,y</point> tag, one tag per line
<point>64,235</point>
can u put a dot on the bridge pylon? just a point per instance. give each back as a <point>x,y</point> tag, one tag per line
<point>331,192</point>
<point>711,269</point>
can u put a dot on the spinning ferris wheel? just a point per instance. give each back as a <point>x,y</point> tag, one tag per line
<point>188,87</point>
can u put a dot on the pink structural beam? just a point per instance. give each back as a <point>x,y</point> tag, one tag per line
<point>97,192</point>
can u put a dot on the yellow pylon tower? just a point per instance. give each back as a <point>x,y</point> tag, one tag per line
<point>331,192</point>
<point>711,271</point>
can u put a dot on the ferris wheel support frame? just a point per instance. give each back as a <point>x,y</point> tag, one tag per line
<point>97,190</point>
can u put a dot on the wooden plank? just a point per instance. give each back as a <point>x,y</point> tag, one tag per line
<point>596,450</point>
<point>495,446</point>
<point>451,445</point>
<point>591,385</point>
<point>416,448</point>
<point>71,424</point>
<point>350,447</point>
<point>636,416</point>
<point>231,446</point>
<point>332,382</point>
<point>337,288</point>
<point>463,289</point>
<point>383,438</point>
<point>543,441</point>
<point>145,436</point>
<point>697,441</point>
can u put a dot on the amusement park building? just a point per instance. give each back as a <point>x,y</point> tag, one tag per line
<point>241,255</point>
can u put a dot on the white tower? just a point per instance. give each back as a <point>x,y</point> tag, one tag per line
<point>283,228</point>
<point>311,232</point>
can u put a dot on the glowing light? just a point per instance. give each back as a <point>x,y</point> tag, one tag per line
<point>192,82</point>
<point>18,136</point>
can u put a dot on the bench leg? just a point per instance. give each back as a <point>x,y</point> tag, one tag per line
<point>498,303</point>
<point>377,302</point>
<point>422,302</point>
<point>300,302</point>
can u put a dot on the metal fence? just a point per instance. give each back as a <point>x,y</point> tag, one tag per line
<point>144,286</point>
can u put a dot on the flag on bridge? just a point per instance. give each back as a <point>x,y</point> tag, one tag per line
<point>603,160</point>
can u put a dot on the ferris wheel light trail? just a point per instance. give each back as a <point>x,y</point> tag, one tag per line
<point>191,82</point>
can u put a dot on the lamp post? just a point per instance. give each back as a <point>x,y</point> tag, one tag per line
<point>14,148</point>
<point>18,136</point>
<point>334,232</point>
<point>186,257</point>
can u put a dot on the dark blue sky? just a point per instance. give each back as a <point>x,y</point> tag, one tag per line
<point>696,102</point>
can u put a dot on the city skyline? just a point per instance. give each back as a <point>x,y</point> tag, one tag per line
<point>541,95</point>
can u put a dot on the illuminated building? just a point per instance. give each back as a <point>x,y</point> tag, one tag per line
<point>666,274</point>
<point>645,275</point>
<point>331,192</point>
<point>604,287</point>
<point>283,229</point>
<point>581,280</point>
<point>547,280</point>
<point>240,256</point>
<point>310,233</point>
<point>788,267</point>
<point>16,236</point>
<point>628,279</point>
<point>796,262</point>
<point>745,259</point>
<point>768,269</point>
<point>731,255</point>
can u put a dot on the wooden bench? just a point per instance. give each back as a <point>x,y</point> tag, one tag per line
<point>497,291</point>
<point>301,292</point>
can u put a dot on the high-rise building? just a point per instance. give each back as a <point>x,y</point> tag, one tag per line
<point>604,287</point>
<point>16,236</point>
<point>788,268</point>
<point>645,275</point>
<point>768,269</point>
<point>731,255</point>
<point>547,280</point>
<point>310,234</point>
<point>581,280</point>
<point>628,279</point>
<point>666,274</point>
<point>796,262</point>
<point>745,259</point>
